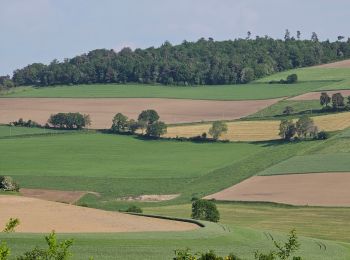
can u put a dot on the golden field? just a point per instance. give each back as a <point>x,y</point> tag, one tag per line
<point>259,130</point>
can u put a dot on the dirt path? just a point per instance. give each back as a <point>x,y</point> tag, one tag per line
<point>316,95</point>
<point>102,110</point>
<point>316,189</point>
<point>38,216</point>
<point>55,195</point>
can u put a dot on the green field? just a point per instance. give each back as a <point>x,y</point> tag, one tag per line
<point>330,156</point>
<point>221,238</point>
<point>118,166</point>
<point>9,131</point>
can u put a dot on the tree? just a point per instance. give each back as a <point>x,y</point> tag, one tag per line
<point>298,35</point>
<point>288,110</point>
<point>119,123</point>
<point>314,37</point>
<point>324,99</point>
<point>150,116</point>
<point>287,35</point>
<point>11,225</point>
<point>338,101</point>
<point>156,129</point>
<point>340,37</point>
<point>287,129</point>
<point>205,210</point>
<point>69,120</point>
<point>217,129</point>
<point>249,34</point>
<point>133,125</point>
<point>305,126</point>
<point>247,75</point>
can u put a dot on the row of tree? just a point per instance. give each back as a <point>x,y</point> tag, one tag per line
<point>147,121</point>
<point>191,63</point>
<point>337,100</point>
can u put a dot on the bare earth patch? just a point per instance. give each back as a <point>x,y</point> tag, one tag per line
<point>316,95</point>
<point>70,197</point>
<point>314,189</point>
<point>40,216</point>
<point>338,64</point>
<point>151,198</point>
<point>102,110</point>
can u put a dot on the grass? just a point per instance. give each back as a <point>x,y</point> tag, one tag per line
<point>161,245</point>
<point>317,222</point>
<point>332,155</point>
<point>12,131</point>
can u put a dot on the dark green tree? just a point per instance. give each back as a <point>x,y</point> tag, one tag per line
<point>119,123</point>
<point>287,129</point>
<point>156,129</point>
<point>205,210</point>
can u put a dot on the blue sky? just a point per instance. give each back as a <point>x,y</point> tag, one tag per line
<point>41,30</point>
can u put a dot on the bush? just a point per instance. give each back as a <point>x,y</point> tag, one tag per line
<point>134,209</point>
<point>291,79</point>
<point>8,184</point>
<point>323,135</point>
<point>24,123</point>
<point>205,210</point>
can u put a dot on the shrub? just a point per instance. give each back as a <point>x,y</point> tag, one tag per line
<point>292,78</point>
<point>323,135</point>
<point>24,123</point>
<point>11,225</point>
<point>205,210</point>
<point>134,209</point>
<point>8,184</point>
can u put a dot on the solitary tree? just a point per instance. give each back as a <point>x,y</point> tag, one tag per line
<point>292,78</point>
<point>338,101</point>
<point>298,35</point>
<point>287,129</point>
<point>324,99</point>
<point>205,210</point>
<point>217,129</point>
<point>120,123</point>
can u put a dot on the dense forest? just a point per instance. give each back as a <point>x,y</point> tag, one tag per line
<point>191,63</point>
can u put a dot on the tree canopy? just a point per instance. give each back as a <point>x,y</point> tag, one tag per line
<point>191,63</point>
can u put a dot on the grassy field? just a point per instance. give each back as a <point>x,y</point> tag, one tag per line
<point>9,131</point>
<point>225,92</point>
<point>330,156</point>
<point>317,222</point>
<point>221,238</point>
<point>117,166</point>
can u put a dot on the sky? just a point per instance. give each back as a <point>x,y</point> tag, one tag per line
<point>43,30</point>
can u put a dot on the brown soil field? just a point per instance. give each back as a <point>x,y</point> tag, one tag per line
<point>338,64</point>
<point>316,95</point>
<point>70,197</point>
<point>314,189</point>
<point>102,110</point>
<point>40,216</point>
<point>259,130</point>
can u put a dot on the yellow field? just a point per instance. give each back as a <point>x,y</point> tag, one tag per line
<point>259,130</point>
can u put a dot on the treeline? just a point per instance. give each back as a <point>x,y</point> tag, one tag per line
<point>191,63</point>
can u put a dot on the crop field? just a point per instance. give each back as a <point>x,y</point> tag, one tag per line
<point>102,111</point>
<point>9,131</point>
<point>319,189</point>
<point>308,221</point>
<point>259,130</point>
<point>161,245</point>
